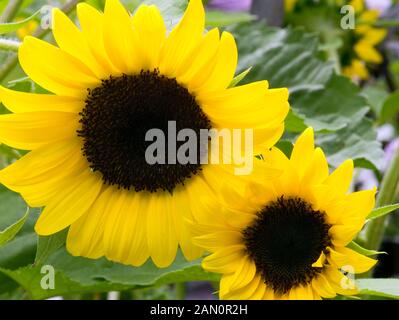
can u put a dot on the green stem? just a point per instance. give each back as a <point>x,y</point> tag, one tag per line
<point>12,61</point>
<point>376,228</point>
<point>10,11</point>
<point>8,44</point>
<point>181,291</point>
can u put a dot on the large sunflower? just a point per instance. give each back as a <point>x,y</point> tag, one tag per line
<point>111,81</point>
<point>287,238</point>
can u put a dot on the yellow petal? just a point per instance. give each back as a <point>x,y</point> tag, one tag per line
<point>340,283</point>
<point>40,174</point>
<point>151,31</point>
<point>217,240</point>
<point>225,67</point>
<point>245,292</point>
<point>359,263</point>
<point>259,292</point>
<point>321,285</point>
<point>71,40</point>
<point>250,106</point>
<point>367,52</point>
<point>269,294</point>
<point>317,170</point>
<point>320,261</point>
<point>69,204</point>
<point>225,260</point>
<point>357,69</point>
<point>358,206</point>
<point>341,178</point>
<point>225,283</point>
<point>19,102</point>
<point>91,22</point>
<point>125,232</point>
<point>302,153</point>
<point>54,69</point>
<point>375,36</point>
<point>31,130</point>
<point>198,66</point>
<point>161,235</point>
<point>120,40</point>
<point>301,293</point>
<point>343,234</point>
<point>183,213</point>
<point>244,274</point>
<point>183,39</point>
<point>85,236</point>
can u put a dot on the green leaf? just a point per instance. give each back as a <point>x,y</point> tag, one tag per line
<point>382,211</point>
<point>14,26</point>
<point>77,275</point>
<point>286,147</point>
<point>390,109</point>
<point>46,245</point>
<point>172,11</point>
<point>357,141</point>
<point>216,18</point>
<point>388,288</point>
<point>376,95</point>
<point>294,123</point>
<point>354,246</point>
<point>10,232</point>
<point>21,250</point>
<point>237,79</point>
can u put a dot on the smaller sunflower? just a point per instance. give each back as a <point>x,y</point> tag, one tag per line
<point>287,238</point>
<point>363,40</point>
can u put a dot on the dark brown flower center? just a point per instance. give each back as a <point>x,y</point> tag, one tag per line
<point>116,118</point>
<point>284,241</point>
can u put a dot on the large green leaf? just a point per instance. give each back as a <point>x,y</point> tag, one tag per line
<point>75,274</point>
<point>387,288</point>
<point>390,109</point>
<point>20,251</point>
<point>12,208</point>
<point>357,141</point>
<point>172,11</point>
<point>46,245</point>
<point>331,104</point>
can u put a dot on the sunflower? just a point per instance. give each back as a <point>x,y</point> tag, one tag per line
<point>364,40</point>
<point>287,238</point>
<point>109,82</point>
<point>357,49</point>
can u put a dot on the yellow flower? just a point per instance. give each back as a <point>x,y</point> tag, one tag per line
<point>289,5</point>
<point>368,38</point>
<point>287,238</point>
<point>357,69</point>
<point>113,80</point>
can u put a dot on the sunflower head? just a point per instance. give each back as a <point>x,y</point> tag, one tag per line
<point>110,82</point>
<point>287,238</point>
